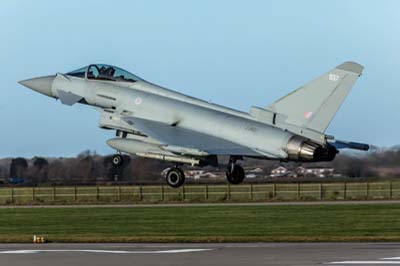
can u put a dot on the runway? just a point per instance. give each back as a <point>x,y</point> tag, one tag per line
<point>299,254</point>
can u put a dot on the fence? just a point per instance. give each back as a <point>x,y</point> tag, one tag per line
<point>200,193</point>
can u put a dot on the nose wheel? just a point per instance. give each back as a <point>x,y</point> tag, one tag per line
<point>235,173</point>
<point>117,160</point>
<point>175,177</point>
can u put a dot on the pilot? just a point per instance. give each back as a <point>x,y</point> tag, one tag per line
<point>102,71</point>
<point>109,72</point>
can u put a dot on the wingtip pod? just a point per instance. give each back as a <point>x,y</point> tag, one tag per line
<point>351,67</point>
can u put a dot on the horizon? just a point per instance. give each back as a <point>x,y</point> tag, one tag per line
<point>373,149</point>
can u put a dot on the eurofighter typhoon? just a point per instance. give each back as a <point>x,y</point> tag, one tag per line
<point>154,122</point>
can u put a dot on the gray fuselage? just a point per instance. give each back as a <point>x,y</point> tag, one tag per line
<point>148,101</point>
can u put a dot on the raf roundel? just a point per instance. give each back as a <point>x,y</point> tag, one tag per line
<point>307,115</point>
<point>138,101</point>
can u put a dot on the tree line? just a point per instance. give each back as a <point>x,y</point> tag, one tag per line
<point>87,168</point>
<point>91,168</point>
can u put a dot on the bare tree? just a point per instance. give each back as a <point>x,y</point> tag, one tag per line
<point>18,167</point>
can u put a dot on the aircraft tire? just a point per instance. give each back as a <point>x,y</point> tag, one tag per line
<point>117,160</point>
<point>175,177</point>
<point>236,175</point>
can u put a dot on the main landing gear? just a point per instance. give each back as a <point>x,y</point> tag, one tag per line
<point>117,160</point>
<point>234,173</point>
<point>175,177</point>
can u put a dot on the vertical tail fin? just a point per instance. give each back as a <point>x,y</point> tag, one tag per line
<point>315,104</point>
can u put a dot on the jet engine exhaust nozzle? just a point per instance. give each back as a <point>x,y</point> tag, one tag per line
<point>303,150</point>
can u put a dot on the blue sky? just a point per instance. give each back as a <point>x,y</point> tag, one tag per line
<point>234,53</point>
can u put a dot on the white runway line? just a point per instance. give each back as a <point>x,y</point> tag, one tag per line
<point>35,251</point>
<point>366,262</point>
<point>382,261</point>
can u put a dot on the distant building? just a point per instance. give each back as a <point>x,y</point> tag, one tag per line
<point>321,172</point>
<point>280,172</point>
<point>258,172</point>
<point>301,171</point>
<point>198,174</point>
<point>255,172</point>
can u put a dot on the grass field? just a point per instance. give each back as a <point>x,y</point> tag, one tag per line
<point>358,222</point>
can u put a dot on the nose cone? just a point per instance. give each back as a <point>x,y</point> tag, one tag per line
<point>42,85</point>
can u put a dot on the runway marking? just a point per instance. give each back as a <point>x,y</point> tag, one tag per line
<point>382,261</point>
<point>364,262</point>
<point>35,251</point>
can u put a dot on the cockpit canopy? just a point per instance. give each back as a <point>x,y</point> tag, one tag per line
<point>104,72</point>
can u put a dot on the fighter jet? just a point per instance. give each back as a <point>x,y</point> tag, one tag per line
<point>154,122</point>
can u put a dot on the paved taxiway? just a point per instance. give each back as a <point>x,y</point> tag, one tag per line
<point>201,254</point>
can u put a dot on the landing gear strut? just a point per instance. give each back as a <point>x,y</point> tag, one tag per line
<point>234,173</point>
<point>117,160</point>
<point>175,177</point>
